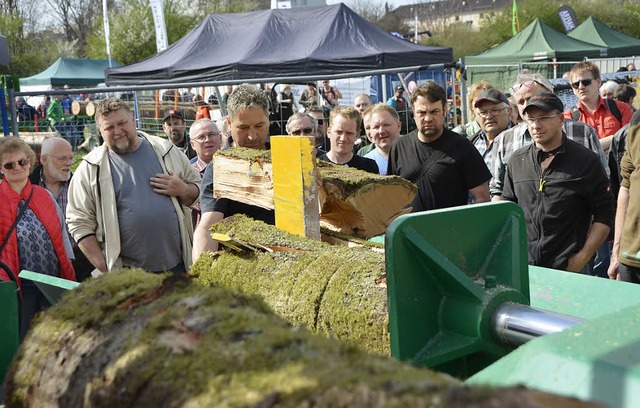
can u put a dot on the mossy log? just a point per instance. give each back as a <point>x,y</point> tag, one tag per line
<point>351,201</point>
<point>329,289</point>
<point>132,339</point>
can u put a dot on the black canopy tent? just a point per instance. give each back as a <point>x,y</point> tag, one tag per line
<point>281,43</point>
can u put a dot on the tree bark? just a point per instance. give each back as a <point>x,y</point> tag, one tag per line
<point>132,339</point>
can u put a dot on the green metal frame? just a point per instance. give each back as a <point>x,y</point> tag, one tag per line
<point>444,283</point>
<point>8,325</point>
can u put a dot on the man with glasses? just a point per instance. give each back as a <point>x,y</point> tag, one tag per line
<point>54,173</point>
<point>302,124</point>
<point>444,166</point>
<point>317,113</point>
<point>606,116</point>
<point>518,136</point>
<point>492,111</point>
<point>562,189</point>
<point>344,127</point>
<point>205,139</point>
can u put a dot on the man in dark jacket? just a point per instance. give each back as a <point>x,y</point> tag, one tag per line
<point>562,188</point>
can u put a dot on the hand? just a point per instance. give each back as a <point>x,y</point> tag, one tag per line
<point>613,269</point>
<point>577,262</point>
<point>167,184</point>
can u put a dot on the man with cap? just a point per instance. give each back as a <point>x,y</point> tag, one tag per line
<point>562,188</point>
<point>176,130</point>
<point>402,106</point>
<point>492,111</point>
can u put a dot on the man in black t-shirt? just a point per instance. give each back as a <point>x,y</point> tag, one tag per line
<point>248,120</point>
<point>444,165</point>
<point>343,131</point>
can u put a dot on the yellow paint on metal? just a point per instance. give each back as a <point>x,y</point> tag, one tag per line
<point>294,185</point>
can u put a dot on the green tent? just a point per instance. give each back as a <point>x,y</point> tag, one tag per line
<point>536,43</point>
<point>74,72</point>
<point>596,32</point>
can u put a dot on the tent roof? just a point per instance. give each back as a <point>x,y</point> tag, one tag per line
<point>70,71</point>
<point>537,42</point>
<point>596,32</point>
<point>278,43</point>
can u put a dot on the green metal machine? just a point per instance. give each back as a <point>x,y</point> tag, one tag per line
<point>463,300</point>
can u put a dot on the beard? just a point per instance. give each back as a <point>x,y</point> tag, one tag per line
<point>122,146</point>
<point>177,137</point>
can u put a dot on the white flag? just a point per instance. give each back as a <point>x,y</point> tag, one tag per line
<point>157,9</point>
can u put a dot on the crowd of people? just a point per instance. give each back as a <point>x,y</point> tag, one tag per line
<point>565,167</point>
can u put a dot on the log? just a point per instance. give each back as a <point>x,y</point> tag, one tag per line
<point>351,201</point>
<point>132,339</point>
<point>87,108</point>
<point>331,290</point>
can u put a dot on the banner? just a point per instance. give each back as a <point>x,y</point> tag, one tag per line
<point>107,41</point>
<point>568,18</point>
<point>515,24</point>
<point>157,10</point>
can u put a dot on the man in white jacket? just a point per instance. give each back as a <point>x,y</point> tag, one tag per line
<point>129,199</point>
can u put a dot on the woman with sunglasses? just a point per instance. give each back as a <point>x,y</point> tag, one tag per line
<point>32,229</point>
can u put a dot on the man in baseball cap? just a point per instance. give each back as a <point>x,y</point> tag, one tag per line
<point>562,189</point>
<point>492,114</point>
<point>176,130</point>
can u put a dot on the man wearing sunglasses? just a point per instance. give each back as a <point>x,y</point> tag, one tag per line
<point>302,124</point>
<point>592,109</point>
<point>317,113</point>
<point>563,191</point>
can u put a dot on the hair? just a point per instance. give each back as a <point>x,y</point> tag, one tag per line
<point>585,66</point>
<point>535,77</point>
<point>200,122</point>
<point>109,105</point>
<point>13,144</point>
<point>430,91</point>
<point>625,93</point>
<point>477,89</point>
<point>610,86</point>
<point>300,115</point>
<point>49,143</point>
<point>360,95</point>
<point>315,109</point>
<point>247,96</point>
<point>347,112</point>
<point>382,107</point>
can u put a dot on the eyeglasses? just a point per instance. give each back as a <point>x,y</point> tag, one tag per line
<point>303,131</point>
<point>320,121</point>
<point>525,83</point>
<point>584,82</point>
<point>203,138</point>
<point>61,158</point>
<point>540,119</point>
<point>12,165</point>
<point>491,112</point>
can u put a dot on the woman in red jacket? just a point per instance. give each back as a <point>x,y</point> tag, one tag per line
<point>38,240</point>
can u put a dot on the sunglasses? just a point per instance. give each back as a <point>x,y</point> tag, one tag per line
<point>12,165</point>
<point>304,131</point>
<point>584,82</point>
<point>526,84</point>
<point>320,121</point>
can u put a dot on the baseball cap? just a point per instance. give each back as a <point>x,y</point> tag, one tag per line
<point>547,101</point>
<point>492,95</point>
<point>399,88</point>
<point>170,113</point>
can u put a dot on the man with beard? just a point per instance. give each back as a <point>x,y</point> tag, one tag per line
<point>54,174</point>
<point>445,166</point>
<point>129,200</point>
<point>384,128</point>
<point>176,130</point>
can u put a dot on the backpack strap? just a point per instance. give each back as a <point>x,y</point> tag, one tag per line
<point>613,108</point>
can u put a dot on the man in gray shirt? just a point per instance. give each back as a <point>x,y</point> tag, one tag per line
<point>129,199</point>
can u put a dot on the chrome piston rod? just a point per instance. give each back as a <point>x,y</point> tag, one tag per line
<point>515,324</point>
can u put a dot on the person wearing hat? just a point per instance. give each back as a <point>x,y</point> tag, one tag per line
<point>402,106</point>
<point>176,130</point>
<point>492,111</point>
<point>562,189</point>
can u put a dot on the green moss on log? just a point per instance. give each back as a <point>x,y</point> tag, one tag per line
<point>175,344</point>
<point>328,289</point>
